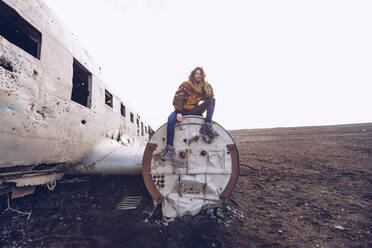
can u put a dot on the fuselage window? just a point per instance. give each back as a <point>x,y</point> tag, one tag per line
<point>122,109</point>
<point>151,132</point>
<point>138,123</point>
<point>131,117</point>
<point>108,98</point>
<point>142,133</point>
<point>81,85</point>
<point>18,31</point>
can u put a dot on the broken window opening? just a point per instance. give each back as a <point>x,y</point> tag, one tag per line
<point>122,109</point>
<point>131,117</point>
<point>81,85</point>
<point>18,31</point>
<point>6,64</point>
<point>142,133</point>
<point>151,132</point>
<point>108,98</point>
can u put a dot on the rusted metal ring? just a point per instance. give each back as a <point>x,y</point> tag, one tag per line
<point>235,170</point>
<point>146,173</point>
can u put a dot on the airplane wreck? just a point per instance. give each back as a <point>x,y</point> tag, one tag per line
<point>59,117</point>
<point>57,114</point>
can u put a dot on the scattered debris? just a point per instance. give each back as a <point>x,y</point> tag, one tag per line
<point>17,211</point>
<point>340,228</point>
<point>129,202</point>
<point>74,180</point>
<point>149,210</point>
<point>22,191</point>
<point>222,215</point>
<point>51,185</point>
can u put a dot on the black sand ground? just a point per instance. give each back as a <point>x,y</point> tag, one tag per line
<point>299,187</point>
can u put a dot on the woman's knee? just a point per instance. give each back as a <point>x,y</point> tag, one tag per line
<point>211,100</point>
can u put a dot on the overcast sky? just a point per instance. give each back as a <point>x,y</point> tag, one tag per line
<point>271,63</point>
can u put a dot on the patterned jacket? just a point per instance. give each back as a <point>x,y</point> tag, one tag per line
<point>189,95</point>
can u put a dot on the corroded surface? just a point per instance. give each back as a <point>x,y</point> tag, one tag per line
<point>202,174</point>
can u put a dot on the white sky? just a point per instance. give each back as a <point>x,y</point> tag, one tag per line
<point>271,63</point>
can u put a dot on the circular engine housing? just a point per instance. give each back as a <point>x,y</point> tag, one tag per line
<point>202,174</point>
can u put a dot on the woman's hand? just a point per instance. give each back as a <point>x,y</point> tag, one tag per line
<point>179,117</point>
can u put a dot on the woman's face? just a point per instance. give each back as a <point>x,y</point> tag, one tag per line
<point>197,75</point>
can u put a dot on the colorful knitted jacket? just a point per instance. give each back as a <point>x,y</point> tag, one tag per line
<point>189,95</point>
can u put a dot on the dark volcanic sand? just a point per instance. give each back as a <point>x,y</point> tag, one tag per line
<point>299,187</point>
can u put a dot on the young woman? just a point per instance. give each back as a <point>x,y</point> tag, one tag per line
<point>186,102</point>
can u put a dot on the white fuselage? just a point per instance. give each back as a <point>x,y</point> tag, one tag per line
<point>40,120</point>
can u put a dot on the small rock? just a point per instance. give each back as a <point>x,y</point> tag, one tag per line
<point>187,217</point>
<point>280,232</point>
<point>209,212</point>
<point>228,208</point>
<point>79,218</point>
<point>340,227</point>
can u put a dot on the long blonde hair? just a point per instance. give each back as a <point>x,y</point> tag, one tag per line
<point>192,75</point>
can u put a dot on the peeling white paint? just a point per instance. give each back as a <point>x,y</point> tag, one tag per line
<point>50,128</point>
<point>200,172</point>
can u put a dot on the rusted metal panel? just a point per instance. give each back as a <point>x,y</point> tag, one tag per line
<point>22,191</point>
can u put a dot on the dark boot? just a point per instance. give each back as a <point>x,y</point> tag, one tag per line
<point>208,130</point>
<point>169,153</point>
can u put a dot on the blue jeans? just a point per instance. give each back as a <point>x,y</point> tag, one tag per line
<point>207,105</point>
